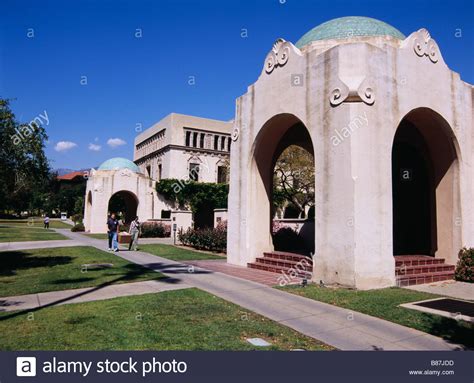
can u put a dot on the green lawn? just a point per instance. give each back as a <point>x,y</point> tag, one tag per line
<point>176,253</point>
<point>20,233</point>
<point>384,303</point>
<point>187,319</point>
<point>39,270</point>
<point>36,222</point>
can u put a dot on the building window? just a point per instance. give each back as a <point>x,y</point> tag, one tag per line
<point>148,171</point>
<point>228,144</point>
<point>159,171</point>
<point>222,174</point>
<point>188,139</point>
<point>223,143</point>
<point>201,140</point>
<point>165,214</point>
<point>194,171</point>
<point>195,136</point>
<point>216,142</point>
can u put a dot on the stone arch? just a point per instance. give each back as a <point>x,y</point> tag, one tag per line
<point>279,132</point>
<point>425,186</point>
<point>126,202</point>
<point>88,208</point>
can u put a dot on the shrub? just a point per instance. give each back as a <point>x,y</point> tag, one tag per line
<point>155,230</point>
<point>287,239</point>
<point>78,227</point>
<point>465,266</point>
<point>206,239</point>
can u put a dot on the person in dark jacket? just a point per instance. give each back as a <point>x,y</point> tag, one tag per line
<point>112,231</point>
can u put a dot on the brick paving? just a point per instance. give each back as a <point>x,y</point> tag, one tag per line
<point>264,277</point>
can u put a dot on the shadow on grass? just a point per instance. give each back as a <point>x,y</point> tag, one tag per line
<point>454,331</point>
<point>134,272</point>
<point>10,261</point>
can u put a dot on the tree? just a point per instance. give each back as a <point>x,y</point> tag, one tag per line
<point>24,169</point>
<point>293,180</point>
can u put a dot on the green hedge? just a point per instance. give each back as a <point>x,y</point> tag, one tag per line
<point>205,239</point>
<point>155,230</point>
<point>78,227</point>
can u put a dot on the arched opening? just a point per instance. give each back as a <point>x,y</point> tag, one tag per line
<point>124,204</point>
<point>88,208</point>
<point>283,136</point>
<point>425,186</point>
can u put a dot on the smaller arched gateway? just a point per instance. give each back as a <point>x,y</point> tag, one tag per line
<point>118,186</point>
<point>124,204</point>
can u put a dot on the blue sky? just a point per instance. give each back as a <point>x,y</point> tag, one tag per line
<point>134,80</point>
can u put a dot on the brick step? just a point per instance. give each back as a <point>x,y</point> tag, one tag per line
<point>422,269</point>
<point>418,279</point>
<point>412,260</point>
<point>279,269</point>
<point>303,264</point>
<point>286,256</point>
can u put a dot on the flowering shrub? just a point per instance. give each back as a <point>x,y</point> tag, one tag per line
<point>155,230</point>
<point>465,266</point>
<point>276,226</point>
<point>213,239</point>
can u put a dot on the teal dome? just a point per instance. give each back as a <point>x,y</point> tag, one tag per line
<point>119,163</point>
<point>346,27</point>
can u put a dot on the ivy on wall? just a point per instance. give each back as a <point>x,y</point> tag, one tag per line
<point>193,195</point>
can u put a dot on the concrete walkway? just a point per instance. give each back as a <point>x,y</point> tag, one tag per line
<point>88,294</point>
<point>341,328</point>
<point>11,246</point>
<point>454,289</point>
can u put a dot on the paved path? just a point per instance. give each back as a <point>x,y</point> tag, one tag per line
<point>55,298</point>
<point>455,289</point>
<point>10,246</point>
<point>341,328</point>
<point>164,241</point>
<point>254,275</point>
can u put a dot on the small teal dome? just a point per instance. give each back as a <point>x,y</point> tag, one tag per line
<point>119,163</point>
<point>346,27</point>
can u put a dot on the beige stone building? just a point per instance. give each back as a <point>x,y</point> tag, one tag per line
<point>179,146</point>
<point>391,130</point>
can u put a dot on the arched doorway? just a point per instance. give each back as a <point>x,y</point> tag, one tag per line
<point>425,186</point>
<point>88,208</point>
<point>278,134</point>
<point>124,204</point>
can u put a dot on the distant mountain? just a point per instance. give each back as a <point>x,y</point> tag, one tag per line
<point>63,171</point>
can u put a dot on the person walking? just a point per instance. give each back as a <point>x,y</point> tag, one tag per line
<point>46,222</point>
<point>113,228</point>
<point>134,232</point>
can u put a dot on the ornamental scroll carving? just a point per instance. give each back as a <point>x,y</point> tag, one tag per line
<point>278,56</point>
<point>235,133</point>
<point>424,45</point>
<point>353,89</point>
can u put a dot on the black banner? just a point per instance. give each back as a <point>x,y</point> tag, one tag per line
<point>209,367</point>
